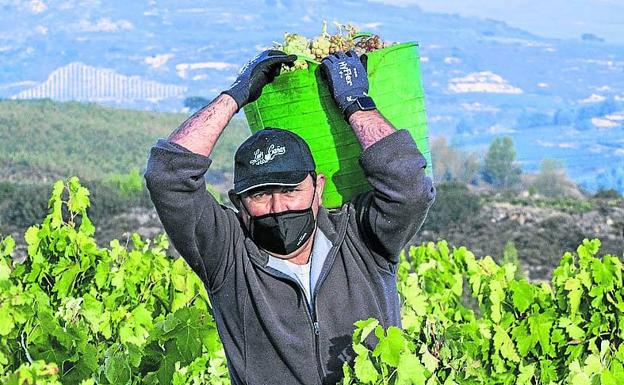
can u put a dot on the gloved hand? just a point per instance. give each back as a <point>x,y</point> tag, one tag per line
<point>347,78</point>
<point>257,73</point>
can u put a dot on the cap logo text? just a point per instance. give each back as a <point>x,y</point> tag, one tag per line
<point>260,157</point>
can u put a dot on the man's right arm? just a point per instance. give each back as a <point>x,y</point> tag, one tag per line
<point>200,132</point>
<point>200,229</point>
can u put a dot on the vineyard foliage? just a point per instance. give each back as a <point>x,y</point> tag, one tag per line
<point>515,332</point>
<point>76,313</point>
<point>84,315</point>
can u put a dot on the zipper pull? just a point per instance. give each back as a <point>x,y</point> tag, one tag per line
<point>316,328</point>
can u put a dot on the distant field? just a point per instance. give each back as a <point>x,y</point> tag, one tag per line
<point>43,140</point>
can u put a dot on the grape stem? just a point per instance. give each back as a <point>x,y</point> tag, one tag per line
<point>28,357</point>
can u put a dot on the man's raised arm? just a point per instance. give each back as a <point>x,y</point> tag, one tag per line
<point>193,220</point>
<point>390,214</point>
<point>200,132</point>
<point>199,228</point>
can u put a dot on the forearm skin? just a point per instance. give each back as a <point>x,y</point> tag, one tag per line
<point>370,127</point>
<point>200,132</point>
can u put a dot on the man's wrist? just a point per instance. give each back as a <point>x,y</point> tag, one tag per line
<point>229,103</point>
<point>361,103</point>
<point>359,116</point>
<point>235,95</point>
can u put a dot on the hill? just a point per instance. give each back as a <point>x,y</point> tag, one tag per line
<point>532,230</point>
<point>41,141</point>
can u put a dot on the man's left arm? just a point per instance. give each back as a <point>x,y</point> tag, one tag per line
<point>397,206</point>
<point>390,214</point>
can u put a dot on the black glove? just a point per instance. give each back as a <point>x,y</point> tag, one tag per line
<point>254,75</point>
<point>347,78</point>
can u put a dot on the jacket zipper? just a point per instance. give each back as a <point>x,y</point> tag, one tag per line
<point>314,326</point>
<point>329,260</point>
<point>316,331</point>
<point>312,312</point>
<point>317,350</point>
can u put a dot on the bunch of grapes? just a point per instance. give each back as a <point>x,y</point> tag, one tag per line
<point>343,42</point>
<point>321,44</point>
<point>69,309</point>
<point>340,43</point>
<point>296,45</point>
<point>370,43</point>
<point>325,44</point>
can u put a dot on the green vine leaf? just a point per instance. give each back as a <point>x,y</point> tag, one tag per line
<point>504,345</point>
<point>523,294</point>
<point>365,370</point>
<point>117,368</point>
<point>390,345</point>
<point>540,325</point>
<point>410,371</point>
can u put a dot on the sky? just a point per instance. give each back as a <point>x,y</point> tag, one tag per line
<point>549,18</point>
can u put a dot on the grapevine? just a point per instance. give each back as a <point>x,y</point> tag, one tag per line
<point>75,313</point>
<point>517,332</point>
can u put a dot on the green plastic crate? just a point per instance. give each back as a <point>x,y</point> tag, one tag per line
<point>300,101</point>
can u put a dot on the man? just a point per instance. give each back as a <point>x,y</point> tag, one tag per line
<point>286,277</point>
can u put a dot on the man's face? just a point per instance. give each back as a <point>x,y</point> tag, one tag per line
<point>276,199</point>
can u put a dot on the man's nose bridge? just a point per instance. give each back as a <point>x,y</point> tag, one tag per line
<point>277,202</point>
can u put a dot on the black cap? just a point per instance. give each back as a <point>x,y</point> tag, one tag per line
<point>272,156</point>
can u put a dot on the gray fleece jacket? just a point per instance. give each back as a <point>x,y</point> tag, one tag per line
<point>269,333</point>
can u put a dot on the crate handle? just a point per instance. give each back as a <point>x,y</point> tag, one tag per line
<point>362,34</point>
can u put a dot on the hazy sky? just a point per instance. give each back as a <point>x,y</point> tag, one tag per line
<point>552,18</point>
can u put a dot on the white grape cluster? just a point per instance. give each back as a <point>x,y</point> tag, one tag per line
<point>321,46</point>
<point>295,44</point>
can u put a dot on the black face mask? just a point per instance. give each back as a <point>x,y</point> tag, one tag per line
<point>282,233</point>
